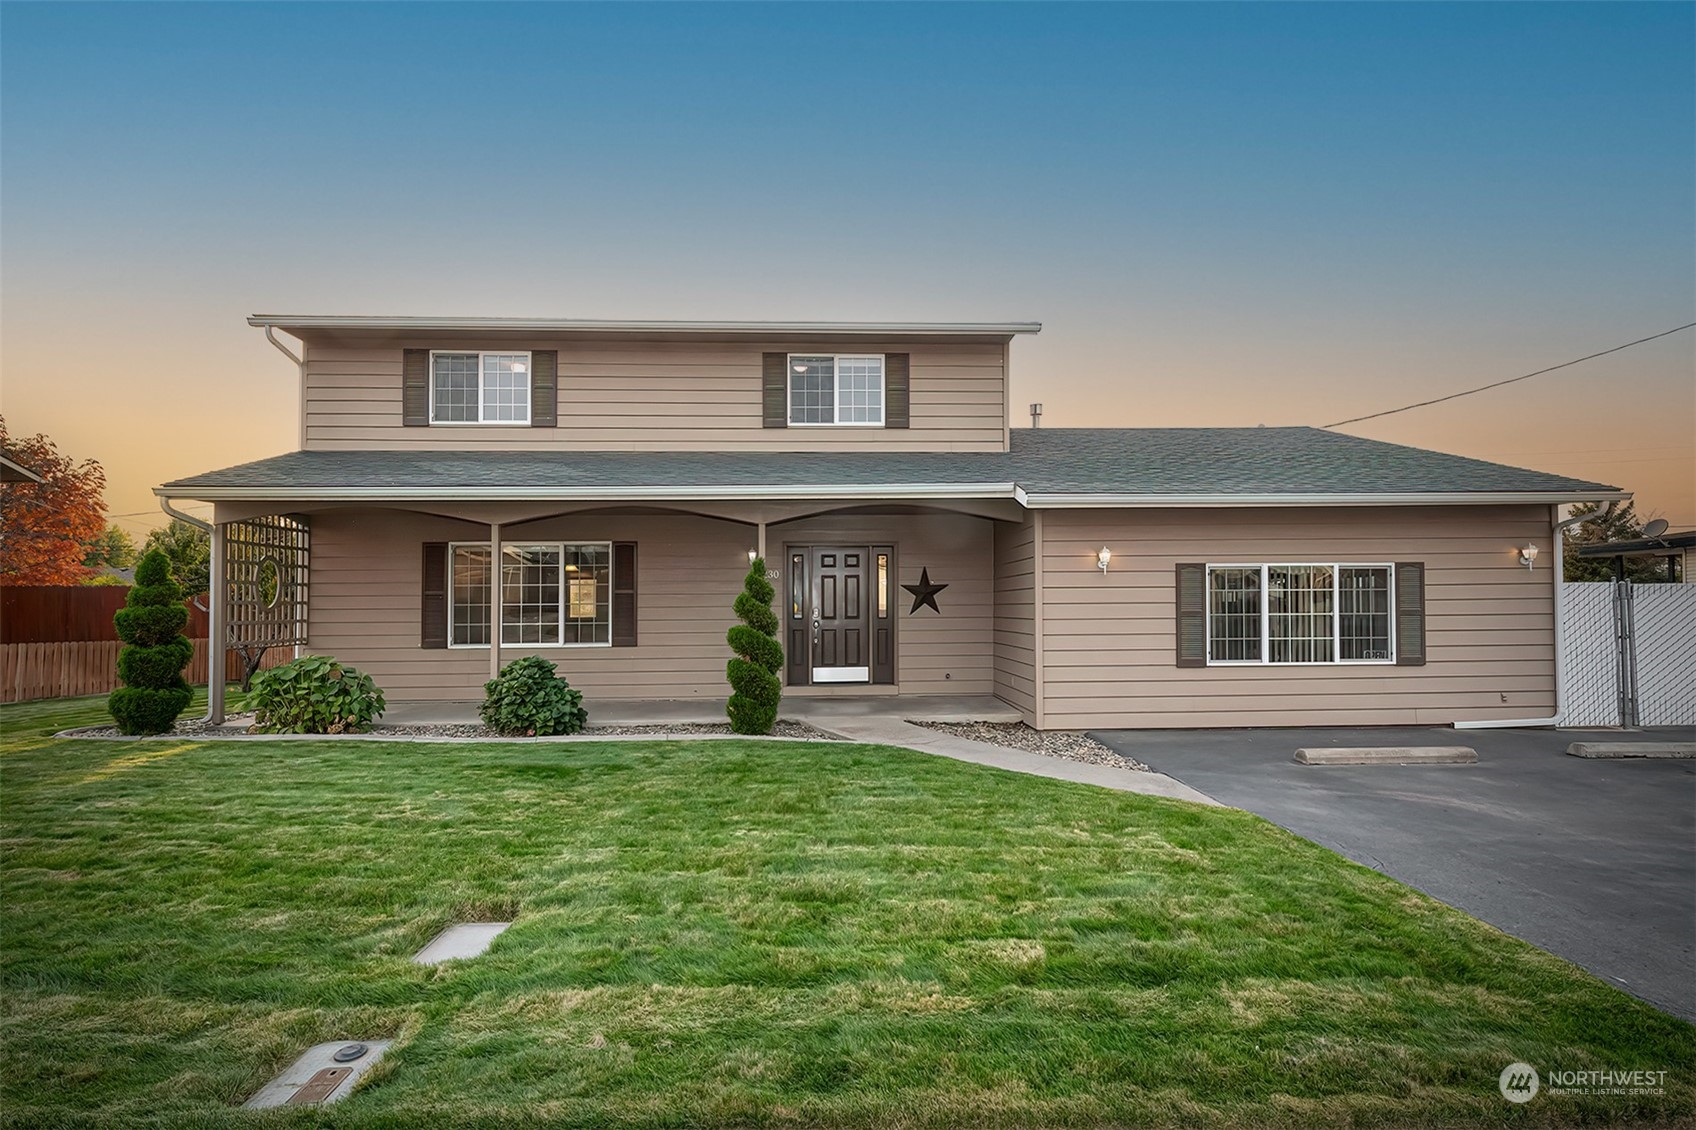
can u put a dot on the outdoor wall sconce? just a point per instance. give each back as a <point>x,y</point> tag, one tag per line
<point>1528,555</point>
<point>752,553</point>
<point>1102,558</point>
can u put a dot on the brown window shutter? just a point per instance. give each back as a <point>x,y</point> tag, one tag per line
<point>433,617</point>
<point>897,397</point>
<point>544,388</point>
<point>415,388</point>
<point>624,594</point>
<point>1410,614</point>
<point>1192,614</point>
<point>774,396</point>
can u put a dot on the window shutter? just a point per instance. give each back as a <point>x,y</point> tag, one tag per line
<point>1192,615</point>
<point>415,388</point>
<point>544,388</point>
<point>624,594</point>
<point>1410,614</point>
<point>897,369</point>
<point>433,617</point>
<point>775,390</point>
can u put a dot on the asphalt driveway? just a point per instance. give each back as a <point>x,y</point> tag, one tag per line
<point>1591,860</point>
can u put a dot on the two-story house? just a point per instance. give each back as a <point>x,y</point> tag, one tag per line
<point>472,489</point>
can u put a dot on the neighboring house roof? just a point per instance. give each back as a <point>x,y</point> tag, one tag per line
<point>1046,467</point>
<point>11,472</point>
<point>1642,547</point>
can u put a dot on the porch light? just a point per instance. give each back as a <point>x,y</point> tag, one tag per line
<point>1102,558</point>
<point>1528,555</point>
<point>752,553</point>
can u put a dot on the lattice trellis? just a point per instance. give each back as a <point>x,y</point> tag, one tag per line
<point>266,562</point>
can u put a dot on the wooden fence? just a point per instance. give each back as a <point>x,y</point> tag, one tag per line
<point>61,670</point>
<point>58,641</point>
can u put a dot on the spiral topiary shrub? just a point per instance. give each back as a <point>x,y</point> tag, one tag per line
<point>753,672</point>
<point>315,694</point>
<point>151,663</point>
<point>529,698</point>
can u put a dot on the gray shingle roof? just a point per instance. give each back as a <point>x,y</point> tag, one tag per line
<point>1175,463</point>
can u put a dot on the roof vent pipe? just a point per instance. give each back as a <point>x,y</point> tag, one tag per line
<point>1036,415</point>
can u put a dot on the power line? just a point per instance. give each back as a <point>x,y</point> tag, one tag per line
<point>1510,380</point>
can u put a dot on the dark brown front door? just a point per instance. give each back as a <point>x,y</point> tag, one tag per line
<point>839,615</point>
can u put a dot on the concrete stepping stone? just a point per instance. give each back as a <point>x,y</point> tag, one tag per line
<point>466,939</point>
<point>1387,755</point>
<point>324,1073</point>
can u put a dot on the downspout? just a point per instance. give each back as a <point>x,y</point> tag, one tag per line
<point>300,363</point>
<point>1558,556</point>
<point>214,610</point>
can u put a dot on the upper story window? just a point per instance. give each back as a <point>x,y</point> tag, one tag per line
<point>479,388</point>
<point>1299,614</point>
<point>836,389</point>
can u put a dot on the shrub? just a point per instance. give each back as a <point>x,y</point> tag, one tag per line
<point>315,695</point>
<point>154,654</point>
<point>753,672</point>
<point>529,698</point>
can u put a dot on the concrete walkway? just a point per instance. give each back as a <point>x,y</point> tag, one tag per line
<point>873,719</point>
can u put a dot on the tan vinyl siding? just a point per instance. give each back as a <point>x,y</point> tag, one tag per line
<point>1109,651</point>
<point>1015,612</point>
<point>661,396</point>
<point>367,582</point>
<point>950,653</point>
<point>366,586</point>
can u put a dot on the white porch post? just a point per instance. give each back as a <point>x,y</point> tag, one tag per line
<point>762,545</point>
<point>494,600</point>
<point>217,596</point>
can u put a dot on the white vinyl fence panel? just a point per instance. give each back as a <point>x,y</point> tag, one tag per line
<point>1589,691</point>
<point>1666,654</point>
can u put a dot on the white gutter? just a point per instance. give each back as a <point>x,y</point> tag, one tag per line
<point>300,364</point>
<point>450,493</point>
<point>1559,565</point>
<point>582,325</point>
<point>1378,498</point>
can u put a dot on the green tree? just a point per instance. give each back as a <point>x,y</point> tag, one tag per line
<point>188,548</point>
<point>112,549</point>
<point>1621,525</point>
<point>753,671</point>
<point>155,652</point>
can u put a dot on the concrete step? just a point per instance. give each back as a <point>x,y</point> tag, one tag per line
<point>1387,755</point>
<point>1632,749</point>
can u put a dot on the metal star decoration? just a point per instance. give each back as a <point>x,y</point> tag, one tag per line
<point>924,593</point>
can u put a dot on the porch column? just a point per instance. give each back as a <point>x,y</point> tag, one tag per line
<point>216,595</point>
<point>494,599</point>
<point>762,545</point>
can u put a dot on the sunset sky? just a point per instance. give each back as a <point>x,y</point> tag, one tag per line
<point>1223,214</point>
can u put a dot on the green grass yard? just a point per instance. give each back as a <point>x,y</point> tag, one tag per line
<point>740,933</point>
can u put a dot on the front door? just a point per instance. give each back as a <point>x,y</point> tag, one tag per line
<point>838,632</point>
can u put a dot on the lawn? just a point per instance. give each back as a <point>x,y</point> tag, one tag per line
<point>740,933</point>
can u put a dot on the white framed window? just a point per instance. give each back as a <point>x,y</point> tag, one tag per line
<point>836,390</point>
<point>552,594</point>
<point>469,387</point>
<point>1300,614</point>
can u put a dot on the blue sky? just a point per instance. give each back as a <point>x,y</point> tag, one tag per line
<point>1223,213</point>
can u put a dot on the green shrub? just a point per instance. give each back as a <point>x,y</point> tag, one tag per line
<point>315,695</point>
<point>529,698</point>
<point>154,654</point>
<point>755,688</point>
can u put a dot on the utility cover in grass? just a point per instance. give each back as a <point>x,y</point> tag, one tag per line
<point>467,939</point>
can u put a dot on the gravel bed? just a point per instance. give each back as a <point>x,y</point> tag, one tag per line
<point>1066,744</point>
<point>242,724</point>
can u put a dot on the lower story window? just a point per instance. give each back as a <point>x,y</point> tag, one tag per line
<point>552,594</point>
<point>1299,614</point>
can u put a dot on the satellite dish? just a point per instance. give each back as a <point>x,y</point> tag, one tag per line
<point>1654,527</point>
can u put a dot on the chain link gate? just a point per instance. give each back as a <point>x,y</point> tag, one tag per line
<point>1627,653</point>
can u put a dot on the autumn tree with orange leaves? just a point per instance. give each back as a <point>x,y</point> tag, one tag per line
<point>45,527</point>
